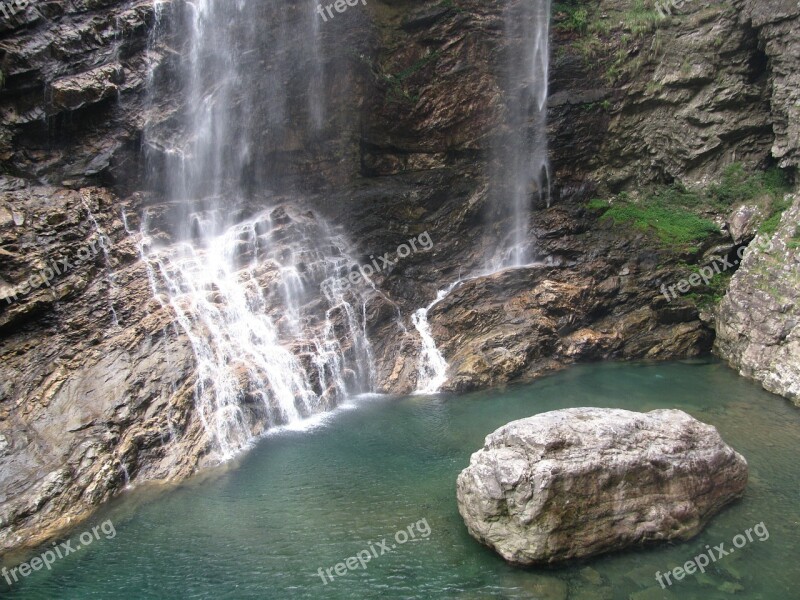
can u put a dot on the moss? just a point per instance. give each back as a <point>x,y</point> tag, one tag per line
<point>678,216</point>
<point>713,293</point>
<point>794,242</point>
<point>598,204</point>
<point>575,18</point>
<point>737,186</point>
<point>673,225</point>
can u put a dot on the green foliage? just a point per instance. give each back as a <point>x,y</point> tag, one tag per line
<point>641,18</point>
<point>770,224</point>
<point>588,47</point>
<point>673,225</point>
<point>738,186</point>
<point>600,30</point>
<point>576,18</point>
<point>794,242</point>
<point>712,294</point>
<point>598,204</point>
<point>677,214</point>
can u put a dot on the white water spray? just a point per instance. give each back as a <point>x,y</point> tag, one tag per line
<point>522,171</point>
<point>271,350</point>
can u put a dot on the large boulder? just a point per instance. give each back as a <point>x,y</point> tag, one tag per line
<point>583,481</point>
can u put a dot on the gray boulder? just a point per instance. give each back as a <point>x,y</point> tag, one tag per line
<point>583,481</point>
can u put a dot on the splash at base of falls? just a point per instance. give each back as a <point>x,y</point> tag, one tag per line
<point>431,366</point>
<point>273,345</point>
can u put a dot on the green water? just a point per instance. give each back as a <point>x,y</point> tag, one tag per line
<point>301,501</point>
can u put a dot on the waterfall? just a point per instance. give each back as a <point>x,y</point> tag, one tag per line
<point>273,343</point>
<point>522,172</point>
<point>242,270</point>
<point>431,365</point>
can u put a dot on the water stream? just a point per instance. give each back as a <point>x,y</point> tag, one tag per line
<point>273,343</point>
<point>521,174</point>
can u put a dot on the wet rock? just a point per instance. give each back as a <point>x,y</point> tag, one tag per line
<point>71,93</point>
<point>653,593</point>
<point>84,398</point>
<point>519,324</point>
<point>731,588</point>
<point>758,321</point>
<point>546,587</point>
<point>579,482</point>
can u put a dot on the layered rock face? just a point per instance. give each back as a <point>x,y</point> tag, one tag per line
<point>96,382</point>
<point>583,481</point>
<point>758,321</point>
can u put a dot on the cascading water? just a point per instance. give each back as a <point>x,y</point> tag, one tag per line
<point>247,284</point>
<point>521,171</point>
<point>274,344</point>
<point>431,365</point>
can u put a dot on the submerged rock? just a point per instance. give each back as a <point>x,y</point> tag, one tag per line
<point>583,481</point>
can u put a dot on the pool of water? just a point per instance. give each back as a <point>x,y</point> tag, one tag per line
<point>303,501</point>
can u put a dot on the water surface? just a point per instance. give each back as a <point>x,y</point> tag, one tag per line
<point>301,501</point>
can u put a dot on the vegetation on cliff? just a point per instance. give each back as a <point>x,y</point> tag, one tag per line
<point>681,218</point>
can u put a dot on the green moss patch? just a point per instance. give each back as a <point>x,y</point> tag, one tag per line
<point>679,217</point>
<point>673,225</point>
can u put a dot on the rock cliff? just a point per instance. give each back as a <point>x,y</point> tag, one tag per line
<point>758,322</point>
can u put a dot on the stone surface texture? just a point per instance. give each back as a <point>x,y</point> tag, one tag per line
<point>579,482</point>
